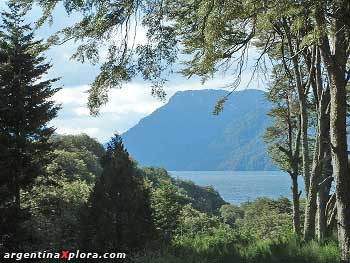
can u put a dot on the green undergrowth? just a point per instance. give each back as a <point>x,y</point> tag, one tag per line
<point>228,247</point>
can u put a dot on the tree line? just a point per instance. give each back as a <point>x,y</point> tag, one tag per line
<point>307,43</point>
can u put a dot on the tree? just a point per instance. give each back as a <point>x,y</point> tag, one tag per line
<point>104,21</point>
<point>69,166</point>
<point>78,143</point>
<point>55,213</point>
<point>58,196</point>
<point>25,108</point>
<point>166,207</point>
<point>83,147</point>
<point>333,26</point>
<point>283,137</point>
<point>217,35</point>
<point>266,218</point>
<point>118,214</point>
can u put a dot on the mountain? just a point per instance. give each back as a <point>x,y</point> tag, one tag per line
<point>185,135</point>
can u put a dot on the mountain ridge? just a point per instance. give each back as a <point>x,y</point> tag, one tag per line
<point>185,135</point>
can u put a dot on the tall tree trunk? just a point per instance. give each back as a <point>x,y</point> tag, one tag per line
<point>296,204</point>
<point>305,145</point>
<point>294,161</point>
<point>322,99</point>
<point>340,164</point>
<point>323,194</point>
<point>335,60</point>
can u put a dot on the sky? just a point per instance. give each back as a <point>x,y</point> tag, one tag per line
<point>126,106</point>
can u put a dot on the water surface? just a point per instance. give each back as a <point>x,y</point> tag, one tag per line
<point>237,187</point>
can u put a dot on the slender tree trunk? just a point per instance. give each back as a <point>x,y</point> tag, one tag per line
<point>296,204</point>
<point>302,97</point>
<point>321,217</point>
<point>319,160</point>
<point>311,205</point>
<point>323,198</point>
<point>305,146</point>
<point>294,161</point>
<point>310,210</point>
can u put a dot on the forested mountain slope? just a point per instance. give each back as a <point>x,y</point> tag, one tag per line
<point>185,135</point>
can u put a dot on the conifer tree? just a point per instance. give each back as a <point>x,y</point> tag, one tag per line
<point>118,214</point>
<point>25,110</point>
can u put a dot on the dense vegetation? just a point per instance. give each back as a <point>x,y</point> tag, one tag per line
<point>58,191</point>
<point>25,110</point>
<point>172,220</point>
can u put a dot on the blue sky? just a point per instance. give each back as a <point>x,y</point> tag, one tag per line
<point>127,105</point>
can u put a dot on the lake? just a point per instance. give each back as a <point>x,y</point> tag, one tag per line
<point>237,187</point>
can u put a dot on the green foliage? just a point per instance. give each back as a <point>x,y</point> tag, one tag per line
<point>55,213</point>
<point>70,167</point>
<point>193,222</point>
<point>282,137</point>
<point>230,214</point>
<point>213,35</point>
<point>118,213</point>
<point>166,206</point>
<point>173,202</point>
<point>157,176</point>
<point>203,198</point>
<point>219,106</point>
<point>100,22</point>
<point>26,109</point>
<point>25,106</point>
<point>86,148</point>
<point>58,196</point>
<point>266,218</point>
<point>225,246</point>
<point>180,207</point>
<point>78,143</point>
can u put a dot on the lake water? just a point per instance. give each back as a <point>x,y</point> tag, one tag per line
<point>240,186</point>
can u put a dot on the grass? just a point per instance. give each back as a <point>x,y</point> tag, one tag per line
<point>230,250</point>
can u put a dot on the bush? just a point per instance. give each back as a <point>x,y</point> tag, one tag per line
<point>256,232</point>
<point>266,218</point>
<point>230,214</point>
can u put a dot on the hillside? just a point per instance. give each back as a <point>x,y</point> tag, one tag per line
<point>185,135</point>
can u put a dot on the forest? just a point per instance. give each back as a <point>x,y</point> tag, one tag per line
<point>72,193</point>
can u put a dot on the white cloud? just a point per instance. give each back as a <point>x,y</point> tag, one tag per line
<point>72,95</point>
<point>66,130</point>
<point>81,111</point>
<point>125,108</point>
<point>131,98</point>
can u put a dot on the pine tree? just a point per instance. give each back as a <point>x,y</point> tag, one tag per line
<point>25,110</point>
<point>118,214</point>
